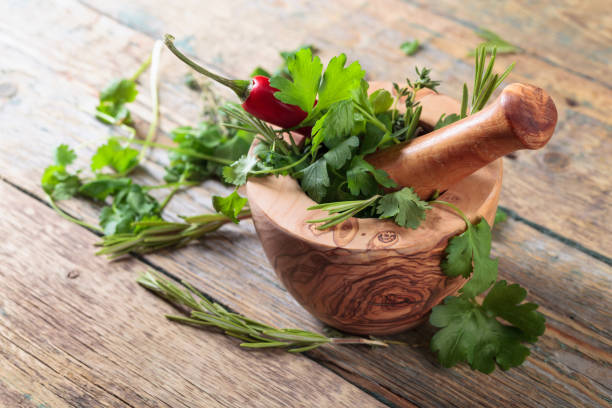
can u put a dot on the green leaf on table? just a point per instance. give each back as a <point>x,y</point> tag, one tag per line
<point>315,180</point>
<point>130,204</point>
<point>500,216</point>
<point>493,41</point>
<point>113,100</point>
<point>468,254</point>
<point>237,172</point>
<point>404,206</point>
<point>364,179</point>
<point>64,155</point>
<point>342,153</point>
<point>334,126</point>
<point>472,333</point>
<point>381,100</point>
<point>112,154</point>
<point>410,47</point>
<point>301,89</point>
<point>230,205</point>
<point>56,181</point>
<point>104,186</point>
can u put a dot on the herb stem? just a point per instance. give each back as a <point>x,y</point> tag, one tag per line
<point>280,169</point>
<point>454,207</point>
<point>186,152</point>
<point>171,185</point>
<point>155,56</point>
<point>72,219</point>
<point>142,68</point>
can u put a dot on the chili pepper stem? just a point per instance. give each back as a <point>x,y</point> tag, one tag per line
<point>239,86</point>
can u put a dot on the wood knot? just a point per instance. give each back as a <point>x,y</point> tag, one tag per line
<point>555,161</point>
<point>346,231</point>
<point>383,239</point>
<point>73,274</point>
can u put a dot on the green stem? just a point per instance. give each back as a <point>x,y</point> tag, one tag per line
<point>142,68</point>
<point>155,56</point>
<point>281,169</point>
<point>375,121</point>
<point>240,87</point>
<point>171,185</point>
<point>454,207</point>
<point>186,152</point>
<point>72,219</point>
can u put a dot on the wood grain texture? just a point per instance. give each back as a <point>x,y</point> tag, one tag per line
<point>76,330</point>
<point>370,276</point>
<point>569,367</point>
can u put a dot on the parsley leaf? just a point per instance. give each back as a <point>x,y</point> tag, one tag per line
<point>230,205</point>
<point>410,47</point>
<point>405,206</point>
<point>333,127</point>
<point>471,332</point>
<point>338,82</point>
<point>342,153</point>
<point>104,186</point>
<point>306,76</point>
<point>237,172</point>
<point>56,181</point>
<point>315,180</point>
<point>64,155</point>
<point>469,254</point>
<point>130,204</point>
<point>112,154</point>
<point>500,216</point>
<point>113,100</point>
<point>364,179</point>
<point>381,100</point>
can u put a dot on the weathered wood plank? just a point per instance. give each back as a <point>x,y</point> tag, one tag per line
<point>78,331</point>
<point>569,364</point>
<point>577,166</point>
<point>575,36</point>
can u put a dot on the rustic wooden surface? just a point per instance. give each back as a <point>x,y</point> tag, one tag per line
<point>74,342</point>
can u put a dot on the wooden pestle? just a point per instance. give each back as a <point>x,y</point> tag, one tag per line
<point>522,117</point>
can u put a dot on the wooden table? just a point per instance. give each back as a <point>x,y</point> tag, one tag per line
<point>76,330</point>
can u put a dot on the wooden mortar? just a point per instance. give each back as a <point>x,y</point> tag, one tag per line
<point>370,276</point>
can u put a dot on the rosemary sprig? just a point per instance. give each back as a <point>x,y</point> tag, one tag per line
<point>153,235</point>
<point>341,211</point>
<point>257,335</point>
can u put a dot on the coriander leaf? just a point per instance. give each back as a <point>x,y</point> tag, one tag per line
<point>504,300</point>
<point>301,90</point>
<point>119,91</point>
<point>112,154</point>
<point>446,120</point>
<point>338,82</point>
<point>364,179</point>
<point>381,101</point>
<point>469,254</point>
<point>237,172</point>
<point>334,126</point>
<point>64,155</point>
<point>113,99</point>
<point>500,216</point>
<point>342,153</point>
<point>405,206</point>
<point>130,204</point>
<point>471,332</point>
<point>102,187</point>
<point>230,205</point>
<point>315,180</point>
<point>410,47</point>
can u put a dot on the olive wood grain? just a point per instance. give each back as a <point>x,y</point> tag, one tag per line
<point>367,276</point>
<point>522,117</point>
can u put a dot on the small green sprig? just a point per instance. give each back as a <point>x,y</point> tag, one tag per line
<point>494,42</point>
<point>254,334</point>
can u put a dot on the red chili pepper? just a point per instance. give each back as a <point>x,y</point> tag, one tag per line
<point>257,96</point>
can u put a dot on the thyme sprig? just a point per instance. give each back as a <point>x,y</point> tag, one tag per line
<point>254,334</point>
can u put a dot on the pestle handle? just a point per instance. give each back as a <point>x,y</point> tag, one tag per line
<point>522,117</point>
